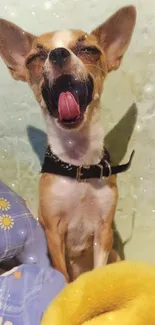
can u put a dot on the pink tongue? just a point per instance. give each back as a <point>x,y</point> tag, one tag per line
<point>68,108</point>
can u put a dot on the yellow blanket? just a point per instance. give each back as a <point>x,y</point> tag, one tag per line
<point>118,294</point>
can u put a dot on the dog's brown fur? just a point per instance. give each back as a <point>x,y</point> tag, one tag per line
<point>79,234</point>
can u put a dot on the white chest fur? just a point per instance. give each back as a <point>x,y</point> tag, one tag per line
<point>85,205</point>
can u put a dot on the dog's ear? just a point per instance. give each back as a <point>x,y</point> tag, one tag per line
<point>15,44</point>
<point>115,34</point>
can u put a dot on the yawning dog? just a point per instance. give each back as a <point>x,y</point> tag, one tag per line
<point>78,192</point>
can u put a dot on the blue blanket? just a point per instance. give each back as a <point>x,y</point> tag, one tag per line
<point>26,290</point>
<point>25,293</point>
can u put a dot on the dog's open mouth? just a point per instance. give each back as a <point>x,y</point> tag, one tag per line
<point>68,98</point>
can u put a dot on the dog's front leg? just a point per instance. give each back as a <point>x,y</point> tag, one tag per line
<point>103,241</point>
<point>55,235</point>
<point>56,246</point>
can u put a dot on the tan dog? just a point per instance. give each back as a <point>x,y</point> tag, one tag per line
<point>66,71</point>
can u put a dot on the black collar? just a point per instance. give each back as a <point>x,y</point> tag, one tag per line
<point>53,165</point>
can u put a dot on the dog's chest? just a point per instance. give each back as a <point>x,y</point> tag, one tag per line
<point>83,204</point>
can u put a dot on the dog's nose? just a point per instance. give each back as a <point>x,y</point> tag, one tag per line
<point>59,56</point>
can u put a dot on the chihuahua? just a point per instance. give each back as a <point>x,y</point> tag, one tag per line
<point>78,192</point>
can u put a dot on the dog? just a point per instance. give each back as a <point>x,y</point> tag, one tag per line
<point>66,71</point>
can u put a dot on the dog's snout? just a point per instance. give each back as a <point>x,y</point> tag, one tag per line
<point>59,56</point>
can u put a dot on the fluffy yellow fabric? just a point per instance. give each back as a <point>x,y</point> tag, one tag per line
<point>118,294</point>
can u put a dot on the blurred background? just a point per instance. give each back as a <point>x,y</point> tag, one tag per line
<point>128,105</point>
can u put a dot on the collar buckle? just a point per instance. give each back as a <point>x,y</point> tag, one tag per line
<point>80,173</point>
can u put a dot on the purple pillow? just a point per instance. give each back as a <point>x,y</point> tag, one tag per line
<point>20,234</point>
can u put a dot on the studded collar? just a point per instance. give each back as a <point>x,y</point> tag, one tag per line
<point>53,165</point>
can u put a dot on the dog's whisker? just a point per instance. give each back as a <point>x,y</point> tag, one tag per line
<point>95,66</point>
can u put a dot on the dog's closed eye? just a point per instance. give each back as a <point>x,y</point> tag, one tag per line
<point>41,55</point>
<point>89,49</point>
<point>90,52</point>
